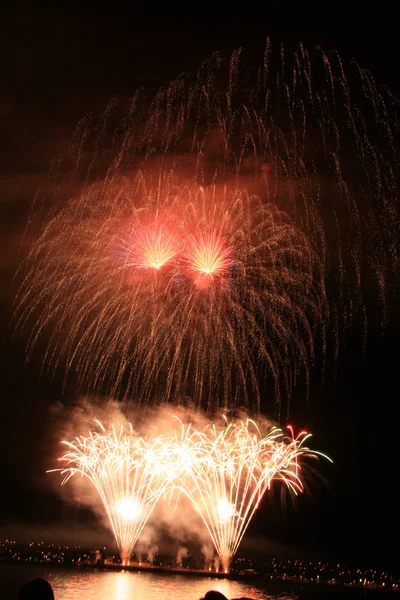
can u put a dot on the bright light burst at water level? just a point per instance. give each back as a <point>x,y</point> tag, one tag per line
<point>128,509</point>
<point>225,510</point>
<point>124,470</point>
<point>229,470</point>
<point>223,469</point>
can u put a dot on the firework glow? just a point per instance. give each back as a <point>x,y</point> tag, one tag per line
<point>226,285</point>
<point>223,470</point>
<point>229,470</point>
<point>124,471</point>
<point>151,249</point>
<point>208,258</point>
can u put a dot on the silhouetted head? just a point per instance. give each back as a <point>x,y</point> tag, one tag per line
<point>214,595</point>
<point>37,589</point>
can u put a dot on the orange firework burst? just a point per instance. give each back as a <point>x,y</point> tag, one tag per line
<point>241,288</point>
<point>208,257</point>
<point>150,248</point>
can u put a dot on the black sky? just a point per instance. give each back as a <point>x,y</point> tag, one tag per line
<point>58,64</point>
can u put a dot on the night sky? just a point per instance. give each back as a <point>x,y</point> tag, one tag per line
<point>59,64</point>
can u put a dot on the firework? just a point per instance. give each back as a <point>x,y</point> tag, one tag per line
<point>194,252</point>
<point>179,297</point>
<point>223,470</point>
<point>226,471</point>
<point>151,249</point>
<point>208,258</point>
<point>125,472</point>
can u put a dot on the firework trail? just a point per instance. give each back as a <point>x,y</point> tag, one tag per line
<point>224,284</point>
<point>217,230</point>
<point>125,471</point>
<point>225,472</point>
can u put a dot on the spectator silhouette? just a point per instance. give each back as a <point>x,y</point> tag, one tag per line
<point>36,589</point>
<point>214,595</point>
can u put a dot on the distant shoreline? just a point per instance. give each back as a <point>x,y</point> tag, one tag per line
<point>281,583</point>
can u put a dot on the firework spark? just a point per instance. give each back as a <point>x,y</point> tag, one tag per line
<point>233,287</point>
<point>150,249</point>
<point>224,471</point>
<point>208,257</point>
<point>197,258</point>
<point>229,470</point>
<point>125,472</point>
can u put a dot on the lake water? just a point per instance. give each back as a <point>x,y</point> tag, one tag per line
<point>88,584</point>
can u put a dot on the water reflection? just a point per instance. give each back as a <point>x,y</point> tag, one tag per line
<point>142,586</point>
<point>123,585</point>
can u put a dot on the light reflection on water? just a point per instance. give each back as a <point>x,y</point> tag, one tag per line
<point>73,584</point>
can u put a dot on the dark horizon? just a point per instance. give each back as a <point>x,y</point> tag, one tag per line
<point>62,64</point>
